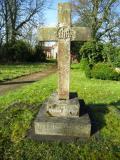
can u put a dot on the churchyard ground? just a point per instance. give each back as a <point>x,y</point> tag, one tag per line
<point>18,110</point>
<point>9,72</point>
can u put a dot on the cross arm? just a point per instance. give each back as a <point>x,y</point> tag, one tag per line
<point>81,34</point>
<point>47,34</point>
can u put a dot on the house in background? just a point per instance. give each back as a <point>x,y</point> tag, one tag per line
<point>51,51</point>
<point>54,51</point>
<point>47,51</point>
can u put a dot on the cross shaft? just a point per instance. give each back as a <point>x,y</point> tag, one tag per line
<point>64,34</point>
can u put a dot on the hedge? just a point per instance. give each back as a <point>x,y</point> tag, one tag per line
<point>104,71</point>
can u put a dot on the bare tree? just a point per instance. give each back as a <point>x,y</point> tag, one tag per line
<point>18,13</point>
<point>1,24</point>
<point>100,15</point>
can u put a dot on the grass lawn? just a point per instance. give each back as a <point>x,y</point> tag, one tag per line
<point>18,109</point>
<point>8,72</point>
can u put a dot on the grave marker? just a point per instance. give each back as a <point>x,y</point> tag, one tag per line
<point>59,117</point>
<point>64,33</point>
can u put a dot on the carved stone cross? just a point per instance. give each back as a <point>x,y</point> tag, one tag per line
<point>64,33</point>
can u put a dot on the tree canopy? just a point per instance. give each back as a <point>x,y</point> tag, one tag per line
<point>18,16</point>
<point>102,16</point>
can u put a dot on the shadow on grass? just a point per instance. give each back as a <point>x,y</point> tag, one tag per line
<point>117,105</point>
<point>19,82</point>
<point>97,114</point>
<point>75,68</point>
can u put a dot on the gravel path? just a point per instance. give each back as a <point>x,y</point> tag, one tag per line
<point>24,80</point>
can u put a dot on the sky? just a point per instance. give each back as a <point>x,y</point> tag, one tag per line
<point>51,13</point>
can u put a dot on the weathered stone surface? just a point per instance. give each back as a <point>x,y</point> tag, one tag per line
<point>62,108</point>
<point>64,14</point>
<point>81,34</point>
<point>47,34</point>
<point>54,34</point>
<point>61,126</point>
<point>63,69</point>
<point>59,116</point>
<point>64,20</point>
<point>64,34</point>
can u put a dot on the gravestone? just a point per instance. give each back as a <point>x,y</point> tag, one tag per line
<point>59,115</point>
<point>64,34</point>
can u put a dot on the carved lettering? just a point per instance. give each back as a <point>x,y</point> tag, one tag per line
<point>65,33</point>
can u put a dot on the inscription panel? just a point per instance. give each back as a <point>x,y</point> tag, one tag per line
<point>65,33</point>
<point>63,127</point>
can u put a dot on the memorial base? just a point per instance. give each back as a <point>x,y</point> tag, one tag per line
<point>51,127</point>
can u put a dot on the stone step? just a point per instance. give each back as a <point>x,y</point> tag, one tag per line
<point>63,108</point>
<point>60,126</point>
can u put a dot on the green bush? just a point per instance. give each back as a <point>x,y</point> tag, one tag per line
<point>83,63</point>
<point>111,54</point>
<point>39,54</point>
<point>17,52</point>
<point>86,67</point>
<point>75,47</point>
<point>92,51</point>
<point>21,51</point>
<point>108,53</point>
<point>105,72</point>
<point>88,71</point>
<point>117,58</point>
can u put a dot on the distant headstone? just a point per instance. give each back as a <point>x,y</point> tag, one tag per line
<point>60,114</point>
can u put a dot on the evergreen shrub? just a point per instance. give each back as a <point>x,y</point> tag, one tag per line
<point>86,67</point>
<point>21,51</point>
<point>105,72</point>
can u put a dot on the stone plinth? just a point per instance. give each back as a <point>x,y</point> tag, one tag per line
<point>65,125</point>
<point>62,108</point>
<point>61,126</point>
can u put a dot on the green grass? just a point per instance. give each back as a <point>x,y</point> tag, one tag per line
<point>8,72</point>
<point>18,109</point>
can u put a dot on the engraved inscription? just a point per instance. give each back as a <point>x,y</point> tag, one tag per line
<point>65,33</point>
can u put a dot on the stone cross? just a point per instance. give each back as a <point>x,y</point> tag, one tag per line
<point>64,33</point>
